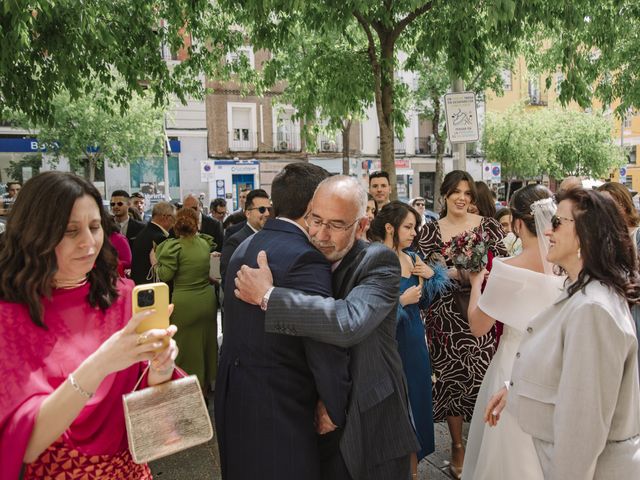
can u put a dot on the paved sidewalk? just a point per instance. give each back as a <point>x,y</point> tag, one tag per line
<point>202,462</point>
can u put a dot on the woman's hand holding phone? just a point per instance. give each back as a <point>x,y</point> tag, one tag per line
<point>164,361</point>
<point>124,348</point>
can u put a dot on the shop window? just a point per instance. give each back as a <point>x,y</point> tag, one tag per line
<point>147,176</point>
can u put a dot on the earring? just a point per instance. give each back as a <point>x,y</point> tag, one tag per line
<point>579,256</point>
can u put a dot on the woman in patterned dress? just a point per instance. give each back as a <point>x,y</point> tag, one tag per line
<point>458,359</point>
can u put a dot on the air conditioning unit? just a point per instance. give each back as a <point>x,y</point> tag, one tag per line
<point>283,145</point>
<point>326,146</point>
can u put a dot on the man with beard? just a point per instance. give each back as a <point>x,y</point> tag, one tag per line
<point>268,386</point>
<point>378,438</point>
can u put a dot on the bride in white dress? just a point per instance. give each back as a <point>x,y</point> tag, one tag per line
<point>517,289</point>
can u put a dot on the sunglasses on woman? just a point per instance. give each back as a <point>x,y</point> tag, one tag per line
<point>556,221</point>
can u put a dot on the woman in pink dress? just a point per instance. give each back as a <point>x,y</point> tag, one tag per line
<point>121,244</point>
<point>68,346</point>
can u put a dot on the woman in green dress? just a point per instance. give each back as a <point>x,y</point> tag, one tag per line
<point>185,261</point>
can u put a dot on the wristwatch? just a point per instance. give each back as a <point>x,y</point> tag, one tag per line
<point>265,300</point>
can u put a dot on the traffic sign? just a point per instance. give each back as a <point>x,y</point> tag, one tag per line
<point>623,174</point>
<point>496,173</point>
<point>462,117</point>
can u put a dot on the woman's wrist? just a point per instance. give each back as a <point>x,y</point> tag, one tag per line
<point>163,371</point>
<point>158,376</point>
<point>88,376</point>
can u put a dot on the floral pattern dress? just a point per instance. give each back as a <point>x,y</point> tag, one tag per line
<point>458,359</point>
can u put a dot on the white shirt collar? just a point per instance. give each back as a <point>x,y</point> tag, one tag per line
<point>294,223</point>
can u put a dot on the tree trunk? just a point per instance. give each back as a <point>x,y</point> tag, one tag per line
<point>346,132</point>
<point>384,104</point>
<point>382,67</point>
<point>440,143</point>
<point>92,168</point>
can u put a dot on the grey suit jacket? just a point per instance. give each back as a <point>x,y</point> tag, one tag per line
<point>575,387</point>
<point>362,316</point>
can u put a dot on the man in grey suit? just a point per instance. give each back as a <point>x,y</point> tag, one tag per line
<point>378,438</point>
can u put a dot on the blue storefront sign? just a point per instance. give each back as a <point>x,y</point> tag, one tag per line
<point>19,145</point>
<point>30,145</point>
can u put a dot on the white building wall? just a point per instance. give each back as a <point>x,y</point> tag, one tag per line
<point>187,123</point>
<point>193,151</point>
<point>370,132</point>
<point>192,116</point>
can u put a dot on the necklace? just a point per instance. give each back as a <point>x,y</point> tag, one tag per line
<point>70,283</point>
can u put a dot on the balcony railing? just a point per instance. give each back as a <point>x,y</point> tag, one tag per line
<point>243,140</point>
<point>398,145</point>
<point>287,141</point>
<point>329,144</point>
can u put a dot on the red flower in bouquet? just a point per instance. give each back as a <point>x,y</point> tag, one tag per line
<point>469,250</point>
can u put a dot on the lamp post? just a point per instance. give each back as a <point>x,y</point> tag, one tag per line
<point>460,149</point>
<point>166,149</point>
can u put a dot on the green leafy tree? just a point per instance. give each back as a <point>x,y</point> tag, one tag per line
<point>434,82</point>
<point>86,133</point>
<point>530,142</point>
<point>49,47</point>
<point>327,80</point>
<point>466,32</point>
<point>596,46</point>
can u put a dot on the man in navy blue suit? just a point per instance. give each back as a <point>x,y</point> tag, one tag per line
<point>269,386</point>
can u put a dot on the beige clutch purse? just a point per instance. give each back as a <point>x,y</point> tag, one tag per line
<point>165,419</point>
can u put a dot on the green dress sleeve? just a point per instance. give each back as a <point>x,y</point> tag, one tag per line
<point>167,254</point>
<point>209,239</point>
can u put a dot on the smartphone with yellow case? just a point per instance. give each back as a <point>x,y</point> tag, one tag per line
<point>152,296</point>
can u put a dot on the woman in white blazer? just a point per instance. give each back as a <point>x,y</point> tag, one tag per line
<point>574,386</point>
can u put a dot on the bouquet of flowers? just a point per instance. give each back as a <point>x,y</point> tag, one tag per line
<point>469,250</point>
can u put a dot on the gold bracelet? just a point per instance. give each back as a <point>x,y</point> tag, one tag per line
<point>78,388</point>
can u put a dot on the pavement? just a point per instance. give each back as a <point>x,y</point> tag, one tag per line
<point>203,463</point>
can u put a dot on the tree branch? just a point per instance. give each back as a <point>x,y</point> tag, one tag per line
<point>371,48</point>
<point>402,24</point>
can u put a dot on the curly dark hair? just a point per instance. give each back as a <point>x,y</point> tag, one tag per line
<point>608,255</point>
<point>35,226</point>
<point>186,222</point>
<point>394,214</point>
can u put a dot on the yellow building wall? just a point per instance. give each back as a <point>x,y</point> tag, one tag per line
<point>519,93</point>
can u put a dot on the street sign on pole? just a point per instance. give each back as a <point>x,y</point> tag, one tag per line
<point>496,173</point>
<point>462,118</point>
<point>623,174</point>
